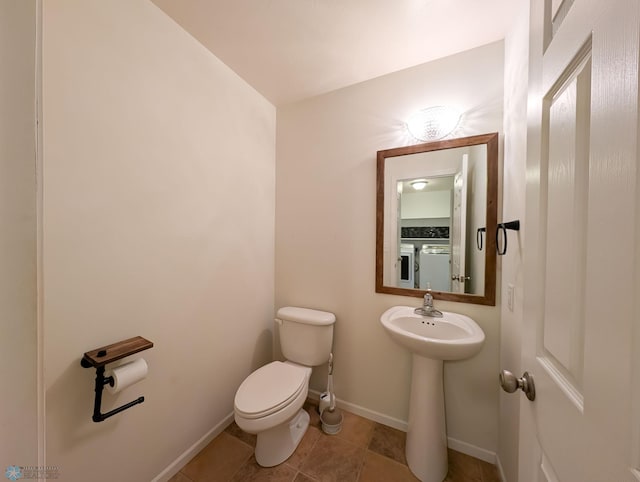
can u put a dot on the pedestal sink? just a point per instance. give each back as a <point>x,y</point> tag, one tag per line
<point>431,341</point>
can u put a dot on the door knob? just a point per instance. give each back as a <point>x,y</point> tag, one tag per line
<point>510,383</point>
<point>460,278</point>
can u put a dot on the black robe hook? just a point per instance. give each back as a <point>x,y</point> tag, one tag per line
<point>479,237</point>
<point>513,225</point>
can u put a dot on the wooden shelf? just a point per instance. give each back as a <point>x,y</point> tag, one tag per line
<point>110,353</point>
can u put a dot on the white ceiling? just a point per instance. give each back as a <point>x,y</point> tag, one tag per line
<point>292,49</point>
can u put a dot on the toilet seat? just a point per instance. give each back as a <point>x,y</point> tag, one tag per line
<point>269,389</point>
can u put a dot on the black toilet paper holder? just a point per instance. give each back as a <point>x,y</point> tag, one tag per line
<point>100,357</point>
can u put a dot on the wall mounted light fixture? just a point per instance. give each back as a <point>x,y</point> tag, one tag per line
<point>433,123</point>
<point>419,184</point>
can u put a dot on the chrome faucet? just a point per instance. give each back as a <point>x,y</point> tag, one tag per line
<point>427,308</point>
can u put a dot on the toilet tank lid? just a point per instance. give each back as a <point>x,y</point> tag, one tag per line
<point>306,315</point>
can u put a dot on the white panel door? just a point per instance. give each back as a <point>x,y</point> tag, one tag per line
<point>583,244</point>
<point>459,227</point>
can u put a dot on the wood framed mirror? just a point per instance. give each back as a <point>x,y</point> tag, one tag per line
<point>436,215</point>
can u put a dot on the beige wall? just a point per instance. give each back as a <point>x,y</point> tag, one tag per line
<point>515,154</point>
<point>159,167</point>
<point>159,192</point>
<point>18,323</point>
<point>325,232</point>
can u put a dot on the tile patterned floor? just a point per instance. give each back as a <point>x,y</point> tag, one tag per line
<point>364,451</point>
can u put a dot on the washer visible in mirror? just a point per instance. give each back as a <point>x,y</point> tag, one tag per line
<point>438,195</point>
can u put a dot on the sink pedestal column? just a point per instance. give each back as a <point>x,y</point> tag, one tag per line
<point>426,434</point>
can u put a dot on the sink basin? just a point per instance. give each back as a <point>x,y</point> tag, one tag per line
<point>431,342</point>
<point>452,337</point>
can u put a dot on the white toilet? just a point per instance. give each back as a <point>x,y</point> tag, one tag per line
<point>269,401</point>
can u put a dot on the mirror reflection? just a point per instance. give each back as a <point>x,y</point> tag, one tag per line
<point>432,200</point>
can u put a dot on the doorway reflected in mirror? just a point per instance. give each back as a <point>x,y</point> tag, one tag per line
<point>432,199</point>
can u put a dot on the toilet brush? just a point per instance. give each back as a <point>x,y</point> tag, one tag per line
<point>331,417</point>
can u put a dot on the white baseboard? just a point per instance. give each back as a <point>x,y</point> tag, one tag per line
<point>500,469</point>
<point>457,445</point>
<point>396,423</point>
<point>474,451</point>
<point>365,412</point>
<point>192,451</point>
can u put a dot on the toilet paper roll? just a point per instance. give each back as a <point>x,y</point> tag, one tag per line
<point>128,374</point>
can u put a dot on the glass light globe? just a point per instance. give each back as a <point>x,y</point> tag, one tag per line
<point>433,123</point>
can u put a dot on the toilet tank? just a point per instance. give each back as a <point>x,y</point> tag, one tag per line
<point>306,335</point>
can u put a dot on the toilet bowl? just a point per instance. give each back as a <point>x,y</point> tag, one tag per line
<point>269,401</point>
